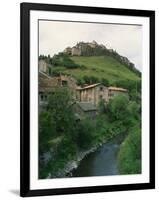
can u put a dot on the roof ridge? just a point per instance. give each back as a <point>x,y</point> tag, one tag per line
<point>89,86</point>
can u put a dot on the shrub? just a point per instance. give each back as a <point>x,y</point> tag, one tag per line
<point>117,108</point>
<point>105,82</point>
<point>46,131</point>
<point>85,134</point>
<point>129,157</point>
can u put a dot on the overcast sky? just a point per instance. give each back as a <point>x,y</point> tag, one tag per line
<point>125,39</point>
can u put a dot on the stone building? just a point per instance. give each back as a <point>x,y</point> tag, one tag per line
<point>79,47</point>
<point>76,51</point>
<point>47,85</point>
<point>93,44</point>
<point>87,98</point>
<point>93,93</point>
<point>68,51</point>
<point>42,66</point>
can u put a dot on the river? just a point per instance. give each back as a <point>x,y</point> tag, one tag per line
<point>102,162</point>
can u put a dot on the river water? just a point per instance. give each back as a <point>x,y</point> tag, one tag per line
<point>102,162</point>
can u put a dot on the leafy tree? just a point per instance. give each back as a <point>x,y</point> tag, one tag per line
<point>85,134</point>
<point>60,107</point>
<point>117,107</point>
<point>46,131</point>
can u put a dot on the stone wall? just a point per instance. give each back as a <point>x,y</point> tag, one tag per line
<point>76,51</point>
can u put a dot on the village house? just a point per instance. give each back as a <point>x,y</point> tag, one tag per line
<point>93,93</point>
<point>47,85</point>
<point>86,98</point>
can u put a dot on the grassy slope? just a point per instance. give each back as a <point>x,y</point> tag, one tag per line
<point>100,67</point>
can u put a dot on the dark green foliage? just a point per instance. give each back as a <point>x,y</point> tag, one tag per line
<point>62,60</point>
<point>130,153</point>
<point>117,108</point>
<point>60,109</point>
<point>66,150</point>
<point>46,131</point>
<point>85,134</point>
<point>105,82</point>
<point>90,79</point>
<point>131,85</point>
<point>117,118</point>
<point>129,117</point>
<point>124,117</point>
<point>60,133</point>
<point>80,82</point>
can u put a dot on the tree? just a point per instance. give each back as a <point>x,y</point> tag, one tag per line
<point>46,131</point>
<point>85,134</point>
<point>117,107</point>
<point>60,107</point>
<point>129,157</point>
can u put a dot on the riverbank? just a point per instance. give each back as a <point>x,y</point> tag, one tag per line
<point>102,162</point>
<point>74,164</point>
<point>77,139</point>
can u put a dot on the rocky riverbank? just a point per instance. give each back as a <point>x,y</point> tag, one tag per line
<point>73,164</point>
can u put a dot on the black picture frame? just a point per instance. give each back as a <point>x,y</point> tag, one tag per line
<point>25,9</point>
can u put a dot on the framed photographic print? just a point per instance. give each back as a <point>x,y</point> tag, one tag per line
<point>87,99</point>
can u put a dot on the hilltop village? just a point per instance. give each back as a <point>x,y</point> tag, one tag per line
<point>85,98</point>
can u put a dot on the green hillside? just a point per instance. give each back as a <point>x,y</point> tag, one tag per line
<point>105,67</point>
<point>100,67</point>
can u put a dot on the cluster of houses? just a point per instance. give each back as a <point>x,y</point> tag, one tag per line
<point>86,98</point>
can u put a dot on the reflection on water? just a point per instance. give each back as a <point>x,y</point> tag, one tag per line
<point>99,163</point>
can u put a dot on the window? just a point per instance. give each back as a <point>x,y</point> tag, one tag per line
<point>101,88</point>
<point>41,97</point>
<point>64,83</point>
